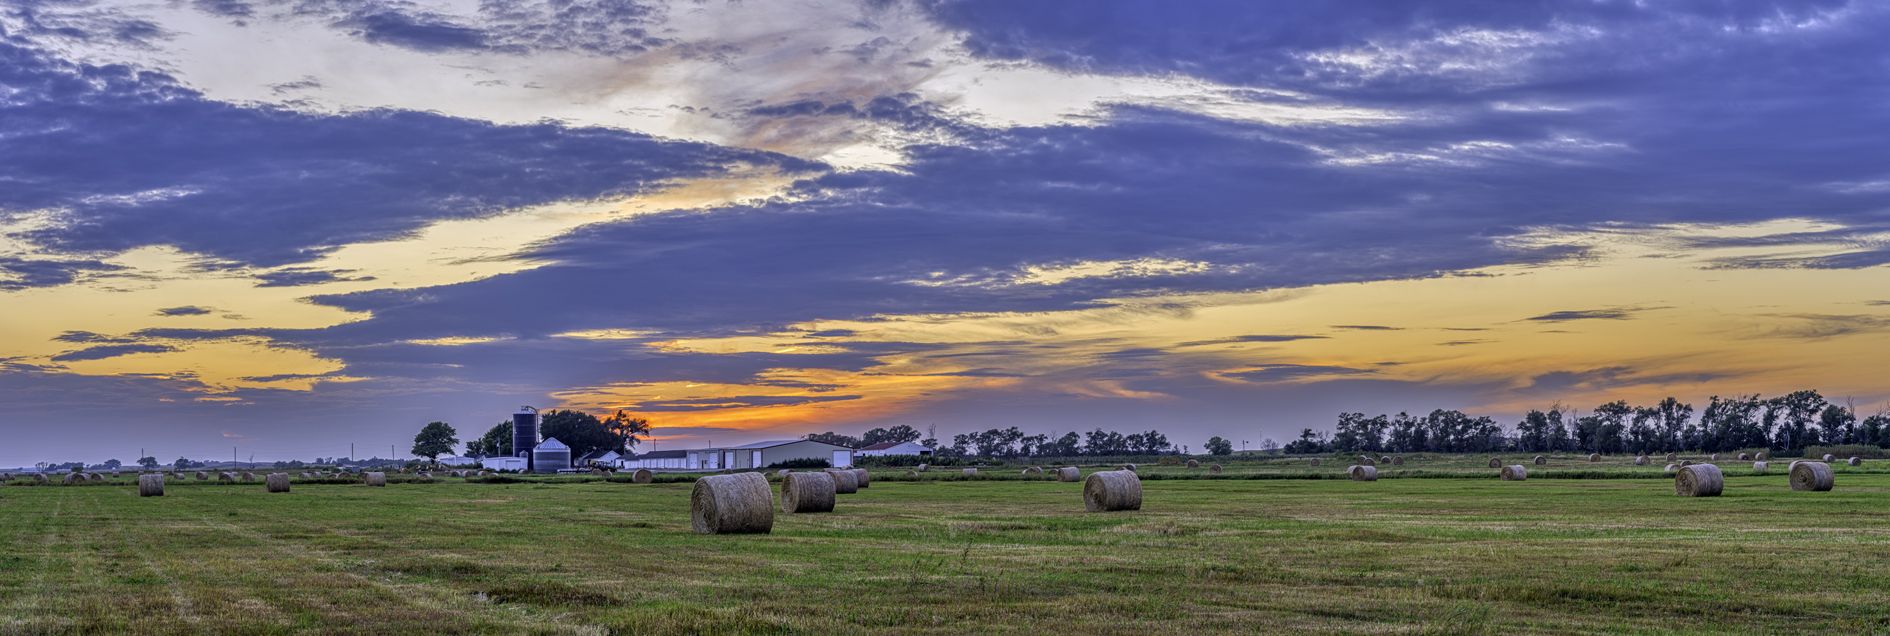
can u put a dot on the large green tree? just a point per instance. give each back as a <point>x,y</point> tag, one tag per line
<point>628,430</point>
<point>435,439</point>
<point>901,433</point>
<point>497,442</point>
<point>581,431</point>
<point>1218,446</point>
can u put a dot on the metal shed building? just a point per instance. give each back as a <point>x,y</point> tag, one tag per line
<point>765,454</point>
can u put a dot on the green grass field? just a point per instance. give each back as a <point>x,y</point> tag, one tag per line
<point>951,556</point>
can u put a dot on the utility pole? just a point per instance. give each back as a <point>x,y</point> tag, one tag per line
<point>232,458</point>
<point>350,451</point>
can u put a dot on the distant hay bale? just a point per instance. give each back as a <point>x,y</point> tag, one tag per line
<point>1758,467</point>
<point>1744,456</point>
<point>1672,468</point>
<point>249,476</point>
<point>925,468</point>
<point>1762,456</point>
<point>1812,477</point>
<point>732,504</point>
<point>1366,461</point>
<point>1216,469</point>
<point>1112,490</point>
<point>1685,463</point>
<point>912,473</point>
<point>1363,473</point>
<point>783,473</point>
<point>1034,470</point>
<point>150,485</point>
<point>1699,480</point>
<point>1828,457</point>
<point>1397,461</point>
<point>971,471</point>
<point>1496,463</point>
<point>98,477</point>
<point>1128,467</point>
<point>276,482</point>
<point>1315,461</point>
<point>377,480</point>
<point>424,475</point>
<point>1194,464</point>
<point>1594,457</point>
<point>6,476</point>
<point>1671,458</point>
<point>39,477</point>
<point>807,492</point>
<point>595,472</point>
<point>1386,459</point>
<point>1069,474</point>
<point>1515,473</point>
<point>1715,457</point>
<point>864,477</point>
<point>845,482</point>
<point>229,477</point>
<point>202,475</point>
<point>72,478</point>
<point>484,473</point>
<point>642,476</point>
<point>1640,461</point>
<point>1856,462</point>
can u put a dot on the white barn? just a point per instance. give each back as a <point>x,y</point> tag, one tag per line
<point>894,448</point>
<point>764,454</point>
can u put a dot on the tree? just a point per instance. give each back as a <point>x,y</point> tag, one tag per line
<point>149,463</point>
<point>1217,446</point>
<point>112,464</point>
<point>1309,443</point>
<point>581,431</point>
<point>180,464</point>
<point>497,442</point>
<point>836,439</point>
<point>1839,425</point>
<point>628,431</point>
<point>897,434</point>
<point>435,439</point>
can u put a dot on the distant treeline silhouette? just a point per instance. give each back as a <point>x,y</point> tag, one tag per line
<point>1786,423</point>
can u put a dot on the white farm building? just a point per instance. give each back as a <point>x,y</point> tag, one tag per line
<point>894,448</point>
<point>765,454</point>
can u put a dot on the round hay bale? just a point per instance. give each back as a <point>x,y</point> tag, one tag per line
<point>728,471</point>
<point>73,478</point>
<point>1397,461</point>
<point>248,476</point>
<point>1715,457</point>
<point>1856,462</point>
<point>1363,473</point>
<point>1812,477</point>
<point>39,477</point>
<point>864,477</point>
<point>377,480</point>
<point>1685,463</point>
<point>150,485</point>
<point>642,476</point>
<point>1315,461</point>
<point>1496,463</point>
<point>1216,469</point>
<point>1672,468</point>
<point>1671,458</point>
<point>1640,461</point>
<point>1194,464</point>
<point>1828,457</point>
<point>807,492</point>
<point>1758,467</point>
<point>1594,457</point>
<point>202,475</point>
<point>1069,474</point>
<point>1366,461</point>
<point>845,482</point>
<point>1034,470</point>
<point>783,473</point>
<point>925,468</point>
<point>732,504</point>
<point>1699,480</point>
<point>1515,473</point>
<point>6,476</point>
<point>98,477</point>
<point>971,471</point>
<point>1744,456</point>
<point>276,482</point>
<point>912,473</point>
<point>598,472</point>
<point>1129,467</point>
<point>1385,459</point>
<point>1111,490</point>
<point>1762,456</point>
<point>229,477</point>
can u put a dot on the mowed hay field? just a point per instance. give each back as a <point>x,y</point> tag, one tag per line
<point>1016,556</point>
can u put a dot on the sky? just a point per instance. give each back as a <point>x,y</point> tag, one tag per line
<point>279,228</point>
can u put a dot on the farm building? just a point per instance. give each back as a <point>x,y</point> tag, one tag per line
<point>893,448</point>
<point>765,454</point>
<point>503,463</point>
<point>657,460</point>
<point>600,458</point>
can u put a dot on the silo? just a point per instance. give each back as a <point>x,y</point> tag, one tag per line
<point>525,434</point>
<point>550,456</point>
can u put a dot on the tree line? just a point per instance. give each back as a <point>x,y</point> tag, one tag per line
<point>1786,423</point>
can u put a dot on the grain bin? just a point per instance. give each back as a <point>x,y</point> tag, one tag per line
<point>525,434</point>
<point>550,456</point>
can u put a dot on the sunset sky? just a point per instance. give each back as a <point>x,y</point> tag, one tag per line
<point>286,226</point>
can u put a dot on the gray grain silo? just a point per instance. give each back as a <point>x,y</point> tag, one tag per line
<point>525,435</point>
<point>550,456</point>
